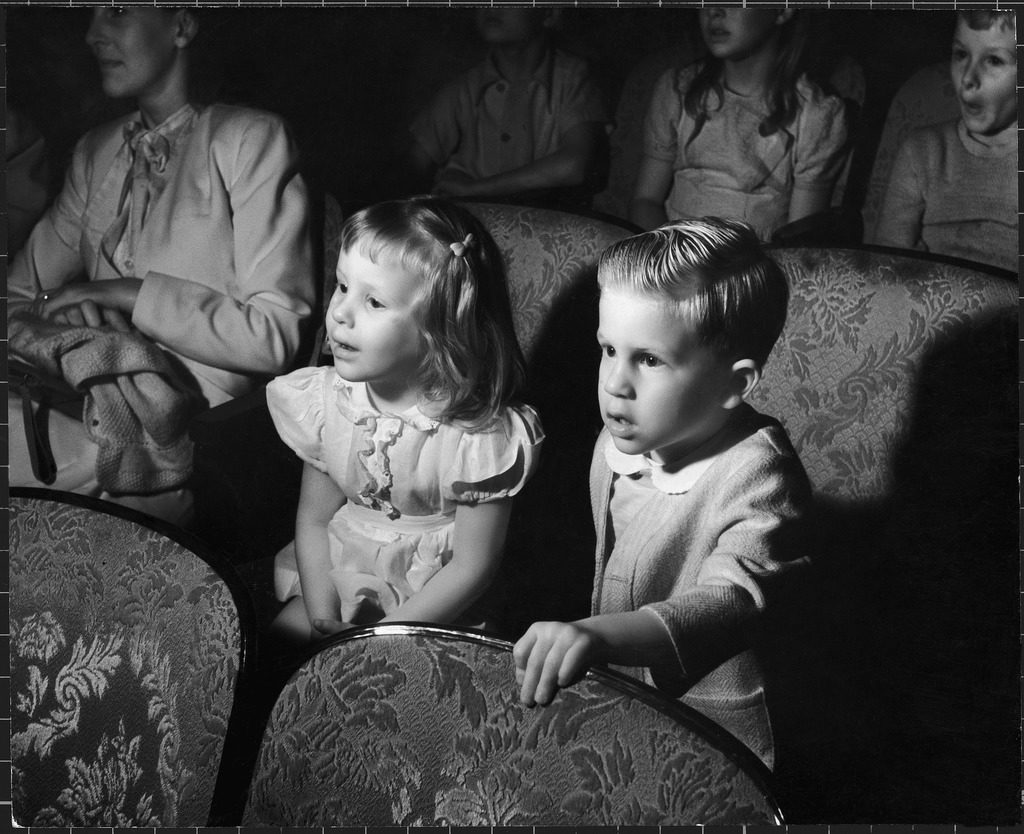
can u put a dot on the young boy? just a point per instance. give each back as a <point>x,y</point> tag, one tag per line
<point>526,121</point>
<point>697,498</point>
<point>953,186</point>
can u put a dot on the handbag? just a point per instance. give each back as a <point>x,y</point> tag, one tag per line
<point>48,393</point>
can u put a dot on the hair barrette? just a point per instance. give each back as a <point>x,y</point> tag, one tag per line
<point>459,247</point>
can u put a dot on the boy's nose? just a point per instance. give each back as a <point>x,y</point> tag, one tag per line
<point>616,381</point>
<point>969,78</point>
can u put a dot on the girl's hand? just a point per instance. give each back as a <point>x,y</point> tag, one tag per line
<point>325,628</point>
<point>553,655</point>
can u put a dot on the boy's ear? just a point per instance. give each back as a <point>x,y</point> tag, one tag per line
<point>784,16</point>
<point>746,373</point>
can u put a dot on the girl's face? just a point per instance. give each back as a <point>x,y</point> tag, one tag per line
<point>660,392</point>
<point>732,34</point>
<point>137,49</point>
<point>984,73</point>
<point>373,328</point>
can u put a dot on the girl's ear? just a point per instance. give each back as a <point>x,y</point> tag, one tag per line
<point>784,16</point>
<point>186,27</point>
<point>746,373</point>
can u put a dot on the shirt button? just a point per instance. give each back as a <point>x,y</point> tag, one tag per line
<point>130,263</point>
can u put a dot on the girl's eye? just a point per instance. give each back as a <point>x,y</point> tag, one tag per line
<point>608,350</point>
<point>374,303</point>
<point>649,360</point>
<point>342,287</point>
<point>995,60</point>
<point>959,54</point>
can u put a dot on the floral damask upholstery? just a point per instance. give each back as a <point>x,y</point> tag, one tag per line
<point>926,98</point>
<point>548,253</point>
<point>843,377</point>
<point>421,725</point>
<point>125,650</point>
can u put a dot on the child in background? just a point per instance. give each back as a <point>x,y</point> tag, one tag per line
<point>412,445</point>
<point>953,186</point>
<point>743,133</point>
<point>527,121</point>
<point>697,498</point>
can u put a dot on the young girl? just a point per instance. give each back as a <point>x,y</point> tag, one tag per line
<point>953,185</point>
<point>742,133</point>
<point>412,446</point>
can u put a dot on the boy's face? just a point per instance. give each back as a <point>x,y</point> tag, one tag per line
<point>984,73</point>
<point>510,26</point>
<point>660,393</point>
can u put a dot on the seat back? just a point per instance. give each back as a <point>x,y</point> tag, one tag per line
<point>845,377</point>
<point>419,725</point>
<point>127,647</point>
<point>896,378</point>
<point>926,98</point>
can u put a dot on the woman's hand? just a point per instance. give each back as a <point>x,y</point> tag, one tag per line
<point>92,304</point>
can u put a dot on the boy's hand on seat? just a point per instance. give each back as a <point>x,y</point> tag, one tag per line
<point>552,655</point>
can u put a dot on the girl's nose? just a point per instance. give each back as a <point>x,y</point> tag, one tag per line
<point>340,310</point>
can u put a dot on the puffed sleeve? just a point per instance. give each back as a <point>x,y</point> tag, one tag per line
<point>253,326</point>
<point>50,257</point>
<point>821,140</point>
<point>296,404</point>
<point>497,462</point>
<point>664,113</point>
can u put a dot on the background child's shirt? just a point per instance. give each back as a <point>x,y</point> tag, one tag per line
<point>703,553</point>
<point>949,193</point>
<point>481,124</point>
<point>729,169</point>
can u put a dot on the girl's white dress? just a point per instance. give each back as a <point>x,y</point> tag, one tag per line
<point>403,475</point>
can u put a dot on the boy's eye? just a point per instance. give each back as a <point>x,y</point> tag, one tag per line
<point>608,350</point>
<point>342,287</point>
<point>374,303</point>
<point>995,60</point>
<point>959,54</point>
<point>648,360</point>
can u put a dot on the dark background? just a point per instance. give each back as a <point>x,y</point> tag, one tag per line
<point>350,80</point>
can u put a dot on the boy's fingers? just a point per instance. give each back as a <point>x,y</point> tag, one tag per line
<point>534,668</point>
<point>574,663</point>
<point>521,650</point>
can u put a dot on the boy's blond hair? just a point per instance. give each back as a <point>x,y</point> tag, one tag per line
<point>715,273</point>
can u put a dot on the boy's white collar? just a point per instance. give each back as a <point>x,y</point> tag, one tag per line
<point>673,482</point>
